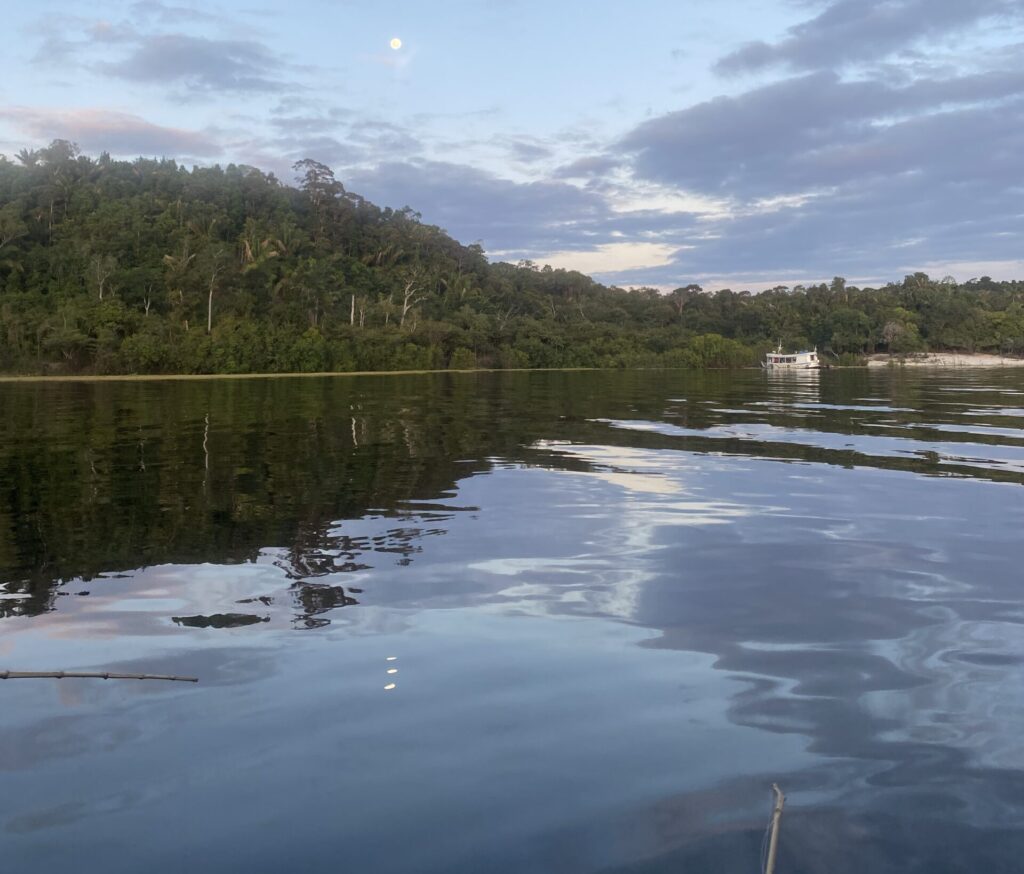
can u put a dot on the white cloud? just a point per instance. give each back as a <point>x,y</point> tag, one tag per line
<point>964,270</point>
<point>612,257</point>
<point>120,133</point>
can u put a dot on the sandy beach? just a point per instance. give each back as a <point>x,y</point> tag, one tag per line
<point>945,359</point>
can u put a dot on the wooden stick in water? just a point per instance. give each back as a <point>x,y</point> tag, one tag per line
<point>105,675</point>
<point>773,845</point>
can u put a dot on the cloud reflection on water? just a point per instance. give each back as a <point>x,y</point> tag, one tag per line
<point>650,622</point>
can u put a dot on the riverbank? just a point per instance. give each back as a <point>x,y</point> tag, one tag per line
<point>183,377</point>
<point>924,359</point>
<point>945,359</point>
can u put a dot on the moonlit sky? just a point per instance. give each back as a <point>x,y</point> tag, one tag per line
<point>656,142</point>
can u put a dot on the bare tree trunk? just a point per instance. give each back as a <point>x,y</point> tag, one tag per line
<point>409,300</point>
<point>352,312</point>
<point>103,267</point>
<point>214,273</point>
<point>6,238</point>
<point>504,317</point>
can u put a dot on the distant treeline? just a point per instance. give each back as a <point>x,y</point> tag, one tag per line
<point>148,267</point>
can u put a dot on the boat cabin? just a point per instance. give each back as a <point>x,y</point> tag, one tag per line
<point>805,360</point>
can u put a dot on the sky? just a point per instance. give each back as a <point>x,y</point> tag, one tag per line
<point>730,143</point>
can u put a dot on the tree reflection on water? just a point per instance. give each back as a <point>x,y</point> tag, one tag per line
<point>709,580</point>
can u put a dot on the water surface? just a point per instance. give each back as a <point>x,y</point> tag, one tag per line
<point>570,622</point>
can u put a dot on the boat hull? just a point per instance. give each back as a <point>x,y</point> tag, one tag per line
<point>792,366</point>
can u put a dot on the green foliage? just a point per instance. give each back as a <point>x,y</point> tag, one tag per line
<point>147,267</point>
<point>462,359</point>
<point>715,351</point>
<point>851,359</point>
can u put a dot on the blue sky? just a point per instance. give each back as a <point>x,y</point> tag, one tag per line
<point>740,142</point>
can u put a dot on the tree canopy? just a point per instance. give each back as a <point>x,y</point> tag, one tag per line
<point>147,266</point>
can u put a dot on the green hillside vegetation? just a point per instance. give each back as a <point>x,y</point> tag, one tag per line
<point>145,266</point>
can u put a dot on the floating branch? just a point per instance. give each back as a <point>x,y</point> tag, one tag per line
<point>105,675</point>
<point>773,845</point>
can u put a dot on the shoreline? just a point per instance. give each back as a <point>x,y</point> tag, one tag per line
<point>945,359</point>
<point>182,377</point>
<point>921,359</point>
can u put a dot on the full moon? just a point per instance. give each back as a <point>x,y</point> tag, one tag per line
<point>396,43</point>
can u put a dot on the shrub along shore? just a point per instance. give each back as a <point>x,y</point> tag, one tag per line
<point>146,267</point>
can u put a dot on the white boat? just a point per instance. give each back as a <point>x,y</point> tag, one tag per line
<point>779,360</point>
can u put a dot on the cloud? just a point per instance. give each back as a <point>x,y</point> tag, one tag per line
<point>848,31</point>
<point>168,13</point>
<point>814,175</point>
<point>313,123</point>
<point>817,131</point>
<point>609,258</point>
<point>818,173</point>
<point>382,138</point>
<point>582,168</point>
<point>529,151</point>
<point>473,204</point>
<point>119,133</point>
<point>339,139</point>
<point>881,227</point>
<point>199,63</point>
<point>328,150</point>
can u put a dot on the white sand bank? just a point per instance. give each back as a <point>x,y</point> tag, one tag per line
<point>946,359</point>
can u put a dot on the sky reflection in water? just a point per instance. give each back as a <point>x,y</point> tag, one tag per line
<point>522,622</point>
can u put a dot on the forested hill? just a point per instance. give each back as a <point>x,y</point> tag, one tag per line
<point>148,267</point>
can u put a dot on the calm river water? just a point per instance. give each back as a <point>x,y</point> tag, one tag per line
<point>522,622</point>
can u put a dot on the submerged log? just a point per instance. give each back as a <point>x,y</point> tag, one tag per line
<point>89,675</point>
